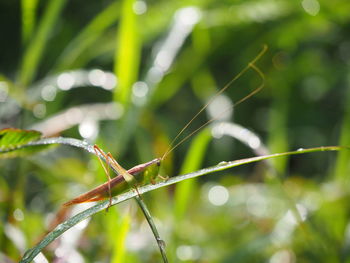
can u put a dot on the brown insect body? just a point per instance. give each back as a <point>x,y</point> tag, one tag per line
<point>101,192</point>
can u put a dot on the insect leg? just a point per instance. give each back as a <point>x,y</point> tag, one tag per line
<point>107,157</point>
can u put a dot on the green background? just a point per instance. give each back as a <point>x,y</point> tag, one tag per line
<point>305,103</point>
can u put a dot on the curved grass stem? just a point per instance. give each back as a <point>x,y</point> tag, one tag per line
<point>60,229</point>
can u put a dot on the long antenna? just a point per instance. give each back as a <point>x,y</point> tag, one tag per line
<point>251,65</point>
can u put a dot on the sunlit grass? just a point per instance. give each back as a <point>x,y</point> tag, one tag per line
<point>290,209</point>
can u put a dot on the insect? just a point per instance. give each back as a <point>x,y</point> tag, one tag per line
<point>118,183</point>
<point>148,172</point>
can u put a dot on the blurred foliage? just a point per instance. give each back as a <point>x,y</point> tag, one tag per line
<point>58,60</point>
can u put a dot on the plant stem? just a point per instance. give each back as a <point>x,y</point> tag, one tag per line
<point>147,214</point>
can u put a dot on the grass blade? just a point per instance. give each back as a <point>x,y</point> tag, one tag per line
<point>127,56</point>
<point>119,233</point>
<point>342,166</point>
<point>88,36</point>
<point>147,214</point>
<point>192,162</point>
<point>60,229</point>
<point>36,47</point>
<point>28,9</point>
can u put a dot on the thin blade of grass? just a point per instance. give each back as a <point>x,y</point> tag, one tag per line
<point>192,162</point>
<point>88,36</point>
<point>28,10</point>
<point>127,56</point>
<point>342,166</point>
<point>61,228</point>
<point>147,214</point>
<point>278,131</point>
<point>36,47</point>
<point>119,233</point>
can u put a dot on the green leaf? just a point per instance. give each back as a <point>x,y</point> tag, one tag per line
<point>12,138</point>
<point>15,142</point>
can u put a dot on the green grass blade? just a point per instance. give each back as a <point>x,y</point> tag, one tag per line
<point>147,214</point>
<point>88,36</point>
<point>278,132</point>
<point>28,9</point>
<point>127,56</point>
<point>36,47</point>
<point>192,162</point>
<point>60,229</point>
<point>119,232</point>
<point>342,167</point>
